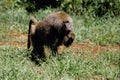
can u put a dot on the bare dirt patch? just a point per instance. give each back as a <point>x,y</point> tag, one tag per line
<point>17,35</point>
<point>13,43</point>
<point>18,39</point>
<point>93,48</point>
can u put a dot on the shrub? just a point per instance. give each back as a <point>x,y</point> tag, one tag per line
<point>94,7</point>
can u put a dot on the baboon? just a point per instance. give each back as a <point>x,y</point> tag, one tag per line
<point>56,29</point>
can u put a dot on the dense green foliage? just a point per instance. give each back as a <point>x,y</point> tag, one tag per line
<point>79,7</point>
<point>93,7</point>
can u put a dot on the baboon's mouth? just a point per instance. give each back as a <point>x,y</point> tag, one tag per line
<point>68,40</point>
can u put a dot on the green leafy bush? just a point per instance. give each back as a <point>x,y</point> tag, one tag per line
<point>94,7</point>
<point>35,5</point>
<point>79,7</point>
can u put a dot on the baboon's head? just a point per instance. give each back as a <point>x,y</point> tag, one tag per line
<point>68,32</point>
<point>66,27</point>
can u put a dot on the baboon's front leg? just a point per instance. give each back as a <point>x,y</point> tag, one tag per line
<point>38,53</point>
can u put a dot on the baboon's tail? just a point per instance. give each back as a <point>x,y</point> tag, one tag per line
<point>32,21</point>
<point>29,43</point>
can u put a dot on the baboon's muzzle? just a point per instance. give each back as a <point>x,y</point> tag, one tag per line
<point>68,40</point>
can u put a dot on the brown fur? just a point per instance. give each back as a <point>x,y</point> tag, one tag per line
<point>56,29</point>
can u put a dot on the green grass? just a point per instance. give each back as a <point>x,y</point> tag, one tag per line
<point>15,65</point>
<point>82,65</point>
<point>103,31</point>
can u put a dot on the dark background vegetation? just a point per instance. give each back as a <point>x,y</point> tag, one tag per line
<point>93,7</point>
